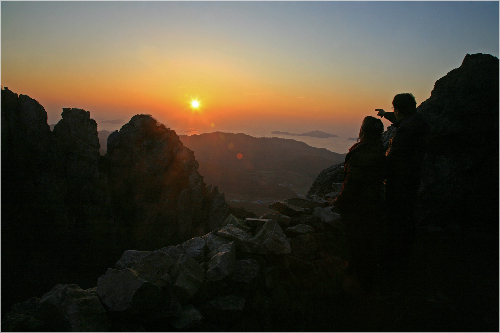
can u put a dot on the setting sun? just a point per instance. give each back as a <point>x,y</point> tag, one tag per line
<point>195,104</point>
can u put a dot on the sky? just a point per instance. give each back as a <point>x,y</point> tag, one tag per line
<point>254,67</point>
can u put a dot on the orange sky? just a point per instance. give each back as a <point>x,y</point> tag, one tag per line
<point>306,65</point>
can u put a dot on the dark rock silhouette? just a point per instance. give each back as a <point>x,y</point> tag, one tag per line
<point>54,200</point>
<point>68,213</point>
<point>460,177</point>
<point>156,189</point>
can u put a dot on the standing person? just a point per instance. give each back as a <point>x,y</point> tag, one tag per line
<point>404,161</point>
<point>360,201</point>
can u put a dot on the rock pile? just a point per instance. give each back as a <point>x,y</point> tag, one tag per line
<point>253,274</point>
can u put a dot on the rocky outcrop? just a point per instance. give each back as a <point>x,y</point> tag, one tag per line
<point>156,188</point>
<point>460,170</point>
<point>327,181</point>
<point>68,212</point>
<point>54,200</point>
<point>76,136</point>
<point>460,176</point>
<point>247,275</point>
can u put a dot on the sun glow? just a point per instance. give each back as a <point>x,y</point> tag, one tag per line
<point>195,104</point>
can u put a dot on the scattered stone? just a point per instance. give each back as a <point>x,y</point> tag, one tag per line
<point>188,276</point>
<point>287,209</point>
<point>194,248</point>
<point>245,270</point>
<point>189,318</point>
<point>313,221</point>
<point>327,216</point>
<point>323,183</point>
<point>130,257</point>
<point>232,220</point>
<point>283,220</point>
<point>24,318</point>
<point>173,251</point>
<point>222,263</point>
<point>80,309</point>
<point>154,266</point>
<point>124,291</point>
<point>299,229</point>
<point>256,224</point>
<point>214,241</point>
<point>244,242</point>
<point>272,238</point>
<point>303,246</point>
<point>319,199</point>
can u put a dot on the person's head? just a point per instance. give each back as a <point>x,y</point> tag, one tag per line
<point>371,129</point>
<point>404,105</point>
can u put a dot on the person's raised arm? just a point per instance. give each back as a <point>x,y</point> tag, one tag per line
<point>387,115</point>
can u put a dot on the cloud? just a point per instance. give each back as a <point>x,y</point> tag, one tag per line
<point>354,139</point>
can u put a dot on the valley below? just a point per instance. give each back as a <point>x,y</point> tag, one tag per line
<point>255,172</point>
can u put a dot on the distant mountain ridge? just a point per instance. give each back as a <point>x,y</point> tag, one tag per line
<point>314,134</point>
<point>257,150</point>
<point>256,168</point>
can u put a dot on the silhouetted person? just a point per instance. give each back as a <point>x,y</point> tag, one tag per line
<point>360,201</point>
<point>404,161</point>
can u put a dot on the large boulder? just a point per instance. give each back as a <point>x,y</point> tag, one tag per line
<point>80,310</point>
<point>245,270</point>
<point>189,318</point>
<point>272,238</point>
<point>123,291</point>
<point>323,184</point>
<point>188,276</point>
<point>194,248</point>
<point>222,263</point>
<point>129,258</point>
